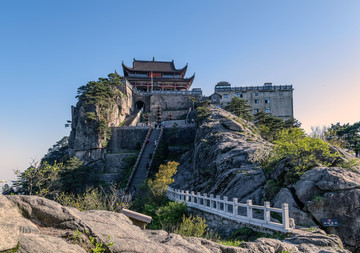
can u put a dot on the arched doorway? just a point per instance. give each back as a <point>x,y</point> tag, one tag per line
<point>140,104</point>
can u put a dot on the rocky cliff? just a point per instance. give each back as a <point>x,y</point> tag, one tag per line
<point>101,105</point>
<point>33,224</point>
<point>219,164</point>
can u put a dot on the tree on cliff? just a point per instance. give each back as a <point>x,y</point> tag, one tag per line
<point>348,135</point>
<point>58,152</point>
<point>269,125</point>
<point>101,94</point>
<point>240,108</point>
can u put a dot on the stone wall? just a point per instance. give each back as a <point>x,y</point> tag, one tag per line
<point>176,103</point>
<point>184,134</point>
<point>126,138</point>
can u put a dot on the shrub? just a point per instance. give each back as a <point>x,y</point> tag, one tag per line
<point>193,226</point>
<point>167,217</point>
<point>301,152</point>
<point>163,178</point>
<point>94,199</point>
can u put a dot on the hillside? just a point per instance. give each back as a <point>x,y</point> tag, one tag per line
<point>219,164</point>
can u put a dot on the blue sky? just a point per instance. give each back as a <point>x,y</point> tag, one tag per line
<point>50,48</point>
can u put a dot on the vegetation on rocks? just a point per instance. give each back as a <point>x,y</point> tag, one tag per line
<point>240,108</point>
<point>101,94</point>
<point>301,153</point>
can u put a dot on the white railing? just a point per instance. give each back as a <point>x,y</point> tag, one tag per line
<point>231,209</point>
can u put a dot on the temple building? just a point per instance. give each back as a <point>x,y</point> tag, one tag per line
<point>157,75</point>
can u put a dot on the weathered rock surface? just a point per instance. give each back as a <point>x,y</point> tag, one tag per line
<point>333,193</point>
<point>220,159</point>
<point>219,164</point>
<point>295,212</point>
<point>85,143</point>
<point>53,227</point>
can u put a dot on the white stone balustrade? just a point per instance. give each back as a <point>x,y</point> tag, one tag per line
<point>221,207</point>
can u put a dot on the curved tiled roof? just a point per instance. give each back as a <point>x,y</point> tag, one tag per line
<point>154,66</point>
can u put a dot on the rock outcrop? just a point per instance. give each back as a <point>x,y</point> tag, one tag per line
<point>219,164</point>
<point>85,142</point>
<point>333,193</point>
<point>41,225</point>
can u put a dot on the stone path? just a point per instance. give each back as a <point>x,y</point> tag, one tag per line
<point>131,118</point>
<point>141,171</point>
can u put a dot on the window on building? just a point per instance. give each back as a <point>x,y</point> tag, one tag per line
<point>141,74</point>
<point>225,96</point>
<point>256,94</point>
<point>256,110</point>
<point>267,100</point>
<point>240,95</point>
<point>256,101</point>
<point>267,110</point>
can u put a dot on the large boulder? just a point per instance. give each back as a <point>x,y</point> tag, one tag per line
<point>56,226</point>
<point>300,217</point>
<point>333,193</point>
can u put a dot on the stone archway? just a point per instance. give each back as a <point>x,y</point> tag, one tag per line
<point>140,104</point>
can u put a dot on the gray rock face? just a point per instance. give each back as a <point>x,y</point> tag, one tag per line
<point>56,224</point>
<point>85,142</point>
<point>295,212</point>
<point>333,193</point>
<point>220,162</point>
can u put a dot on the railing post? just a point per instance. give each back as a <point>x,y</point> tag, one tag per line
<point>218,203</point>
<point>198,199</point>
<point>249,209</point>
<point>211,201</point>
<point>192,197</point>
<point>285,215</point>
<point>267,212</point>
<point>187,196</point>
<point>225,204</point>
<point>235,207</point>
<point>205,200</point>
<point>182,197</point>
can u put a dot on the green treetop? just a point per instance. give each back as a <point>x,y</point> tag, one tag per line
<point>240,108</point>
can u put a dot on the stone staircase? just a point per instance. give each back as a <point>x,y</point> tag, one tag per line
<point>142,168</point>
<point>129,120</point>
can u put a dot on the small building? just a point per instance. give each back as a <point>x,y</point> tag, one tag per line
<point>276,100</point>
<point>157,76</point>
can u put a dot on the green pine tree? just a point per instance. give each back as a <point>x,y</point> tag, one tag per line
<point>240,108</point>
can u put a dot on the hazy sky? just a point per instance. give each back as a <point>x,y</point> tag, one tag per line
<point>50,48</point>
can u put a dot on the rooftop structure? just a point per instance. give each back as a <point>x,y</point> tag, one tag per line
<point>157,75</point>
<point>273,99</point>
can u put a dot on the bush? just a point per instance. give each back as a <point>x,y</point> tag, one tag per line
<point>193,226</point>
<point>166,217</point>
<point>301,152</point>
<point>94,199</point>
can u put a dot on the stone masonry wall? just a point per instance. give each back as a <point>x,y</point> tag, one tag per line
<point>126,138</point>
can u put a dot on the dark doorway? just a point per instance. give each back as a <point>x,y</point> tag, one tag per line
<point>140,104</point>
